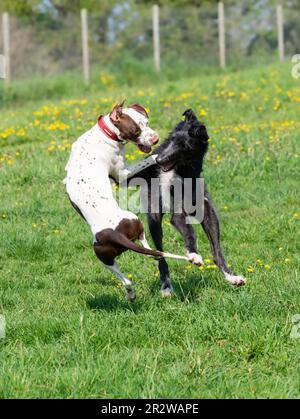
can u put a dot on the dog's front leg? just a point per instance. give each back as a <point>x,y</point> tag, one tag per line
<point>178,220</point>
<point>125,173</point>
<point>155,227</point>
<point>211,227</point>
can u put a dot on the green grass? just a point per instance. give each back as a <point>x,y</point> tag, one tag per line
<point>70,331</point>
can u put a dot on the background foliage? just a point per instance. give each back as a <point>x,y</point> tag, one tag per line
<point>46,35</point>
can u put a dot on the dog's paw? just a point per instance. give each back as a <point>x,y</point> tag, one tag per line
<point>195,259</point>
<point>235,279</point>
<point>130,296</point>
<point>166,292</point>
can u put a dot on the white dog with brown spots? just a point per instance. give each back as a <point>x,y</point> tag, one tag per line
<point>96,156</point>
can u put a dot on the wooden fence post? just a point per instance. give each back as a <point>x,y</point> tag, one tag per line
<point>280,33</point>
<point>85,46</point>
<point>156,37</point>
<point>6,48</point>
<point>221,25</point>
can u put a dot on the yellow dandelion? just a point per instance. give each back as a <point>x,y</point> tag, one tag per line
<point>21,132</point>
<point>203,112</point>
<point>230,94</point>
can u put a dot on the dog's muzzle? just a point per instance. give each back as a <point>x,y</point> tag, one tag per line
<point>147,142</point>
<point>165,164</point>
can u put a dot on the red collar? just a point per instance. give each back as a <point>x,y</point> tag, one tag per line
<point>106,130</point>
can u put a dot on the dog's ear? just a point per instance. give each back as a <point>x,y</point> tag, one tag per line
<point>189,115</point>
<point>186,112</point>
<point>199,132</point>
<point>139,109</point>
<point>116,113</point>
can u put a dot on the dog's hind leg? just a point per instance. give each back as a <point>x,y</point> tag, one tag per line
<point>106,254</point>
<point>130,294</point>
<point>211,227</point>
<point>189,236</point>
<point>155,227</point>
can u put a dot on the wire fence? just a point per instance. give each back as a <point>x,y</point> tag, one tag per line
<point>43,46</point>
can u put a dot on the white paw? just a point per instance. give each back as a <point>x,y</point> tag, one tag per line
<point>235,279</point>
<point>195,259</point>
<point>167,292</point>
<point>130,295</point>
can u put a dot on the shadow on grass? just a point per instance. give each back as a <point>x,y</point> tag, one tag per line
<point>190,288</point>
<point>110,303</point>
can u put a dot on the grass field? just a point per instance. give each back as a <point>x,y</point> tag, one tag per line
<point>71,333</point>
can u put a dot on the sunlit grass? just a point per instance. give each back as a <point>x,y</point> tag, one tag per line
<point>70,332</point>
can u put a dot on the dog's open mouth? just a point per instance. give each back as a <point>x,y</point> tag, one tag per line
<point>144,148</point>
<point>167,167</point>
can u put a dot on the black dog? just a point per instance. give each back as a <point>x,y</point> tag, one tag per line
<point>181,157</point>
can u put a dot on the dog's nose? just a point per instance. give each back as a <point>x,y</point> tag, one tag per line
<point>155,139</point>
<point>158,160</point>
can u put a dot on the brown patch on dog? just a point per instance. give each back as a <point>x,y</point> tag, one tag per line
<point>106,247</point>
<point>132,229</point>
<point>137,107</point>
<point>128,128</point>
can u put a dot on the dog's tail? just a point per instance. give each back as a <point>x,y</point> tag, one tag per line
<point>122,240</point>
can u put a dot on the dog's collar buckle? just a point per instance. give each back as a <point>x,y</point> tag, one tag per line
<point>104,128</point>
